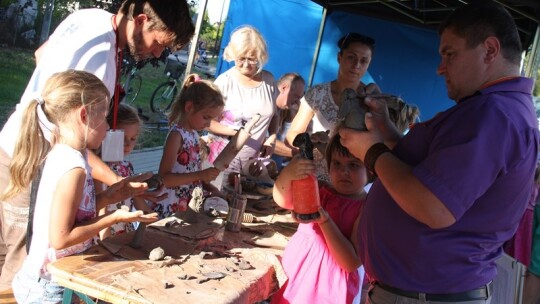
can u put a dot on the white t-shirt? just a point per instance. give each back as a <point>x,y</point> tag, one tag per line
<point>85,40</point>
<point>60,160</point>
<point>242,103</point>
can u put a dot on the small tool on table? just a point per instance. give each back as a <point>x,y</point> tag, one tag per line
<point>139,234</point>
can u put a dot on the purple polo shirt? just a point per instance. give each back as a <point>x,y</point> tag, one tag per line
<point>478,158</point>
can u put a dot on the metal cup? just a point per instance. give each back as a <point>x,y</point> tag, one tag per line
<point>236,213</point>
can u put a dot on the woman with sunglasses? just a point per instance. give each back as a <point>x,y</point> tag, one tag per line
<point>321,102</point>
<point>248,90</point>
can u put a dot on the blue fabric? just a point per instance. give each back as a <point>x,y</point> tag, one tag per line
<point>404,64</point>
<point>290,28</point>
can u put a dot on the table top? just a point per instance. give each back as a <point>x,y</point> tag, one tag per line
<point>227,267</point>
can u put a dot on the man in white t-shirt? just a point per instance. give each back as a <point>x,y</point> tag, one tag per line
<point>89,40</point>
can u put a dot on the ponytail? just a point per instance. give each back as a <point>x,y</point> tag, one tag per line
<point>30,150</point>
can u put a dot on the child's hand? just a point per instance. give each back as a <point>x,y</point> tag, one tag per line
<point>323,218</point>
<point>128,187</point>
<point>209,174</point>
<point>299,168</point>
<point>154,196</point>
<point>125,216</point>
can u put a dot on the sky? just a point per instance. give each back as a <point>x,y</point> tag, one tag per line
<point>215,8</point>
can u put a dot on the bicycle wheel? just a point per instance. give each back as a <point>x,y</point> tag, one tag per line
<point>134,88</point>
<point>162,97</point>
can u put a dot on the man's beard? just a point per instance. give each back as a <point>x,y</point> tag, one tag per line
<point>134,46</point>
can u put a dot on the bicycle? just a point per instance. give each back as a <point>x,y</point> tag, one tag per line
<point>131,81</point>
<point>163,95</point>
<point>202,57</point>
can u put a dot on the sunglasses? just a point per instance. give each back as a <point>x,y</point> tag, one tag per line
<point>355,37</point>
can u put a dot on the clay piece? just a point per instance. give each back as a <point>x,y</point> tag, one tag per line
<point>245,265</point>
<point>353,110</point>
<point>186,277</point>
<point>214,275</point>
<point>156,254</point>
<point>236,143</point>
<point>195,206</point>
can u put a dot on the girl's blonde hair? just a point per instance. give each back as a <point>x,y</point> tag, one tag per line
<point>244,40</point>
<point>63,93</point>
<point>202,93</point>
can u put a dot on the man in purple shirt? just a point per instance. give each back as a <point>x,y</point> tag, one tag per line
<point>451,191</point>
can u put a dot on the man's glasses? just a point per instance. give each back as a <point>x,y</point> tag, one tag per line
<point>250,61</point>
<point>355,37</point>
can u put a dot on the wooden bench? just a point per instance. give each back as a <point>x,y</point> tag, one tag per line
<point>6,297</point>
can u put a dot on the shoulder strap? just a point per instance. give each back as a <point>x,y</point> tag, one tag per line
<point>32,206</point>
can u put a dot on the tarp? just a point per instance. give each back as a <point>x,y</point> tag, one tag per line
<point>404,63</point>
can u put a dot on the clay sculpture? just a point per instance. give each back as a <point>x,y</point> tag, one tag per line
<point>195,207</point>
<point>235,144</point>
<point>352,110</point>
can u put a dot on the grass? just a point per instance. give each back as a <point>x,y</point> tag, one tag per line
<point>17,65</point>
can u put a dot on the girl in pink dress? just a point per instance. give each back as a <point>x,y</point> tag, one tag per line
<point>320,260</point>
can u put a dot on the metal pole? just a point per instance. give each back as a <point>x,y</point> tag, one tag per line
<point>46,25</point>
<point>219,27</point>
<point>531,67</point>
<point>195,39</point>
<point>317,48</point>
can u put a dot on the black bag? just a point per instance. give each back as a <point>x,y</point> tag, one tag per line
<point>32,207</point>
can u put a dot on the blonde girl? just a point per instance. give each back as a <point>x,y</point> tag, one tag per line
<point>65,221</point>
<point>127,120</point>
<point>198,103</point>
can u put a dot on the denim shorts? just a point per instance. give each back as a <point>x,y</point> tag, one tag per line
<point>30,288</point>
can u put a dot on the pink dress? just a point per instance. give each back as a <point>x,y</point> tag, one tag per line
<point>313,274</point>
<point>520,245</point>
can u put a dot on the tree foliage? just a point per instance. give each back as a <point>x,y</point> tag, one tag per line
<point>62,8</point>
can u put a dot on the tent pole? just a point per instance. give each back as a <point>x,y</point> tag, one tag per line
<point>317,48</point>
<point>195,39</point>
<point>531,66</point>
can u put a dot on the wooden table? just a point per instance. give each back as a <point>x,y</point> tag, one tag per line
<point>248,259</point>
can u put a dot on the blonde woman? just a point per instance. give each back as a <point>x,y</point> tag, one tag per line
<point>248,90</point>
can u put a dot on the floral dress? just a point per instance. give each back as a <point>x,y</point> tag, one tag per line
<point>188,160</point>
<point>124,169</point>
